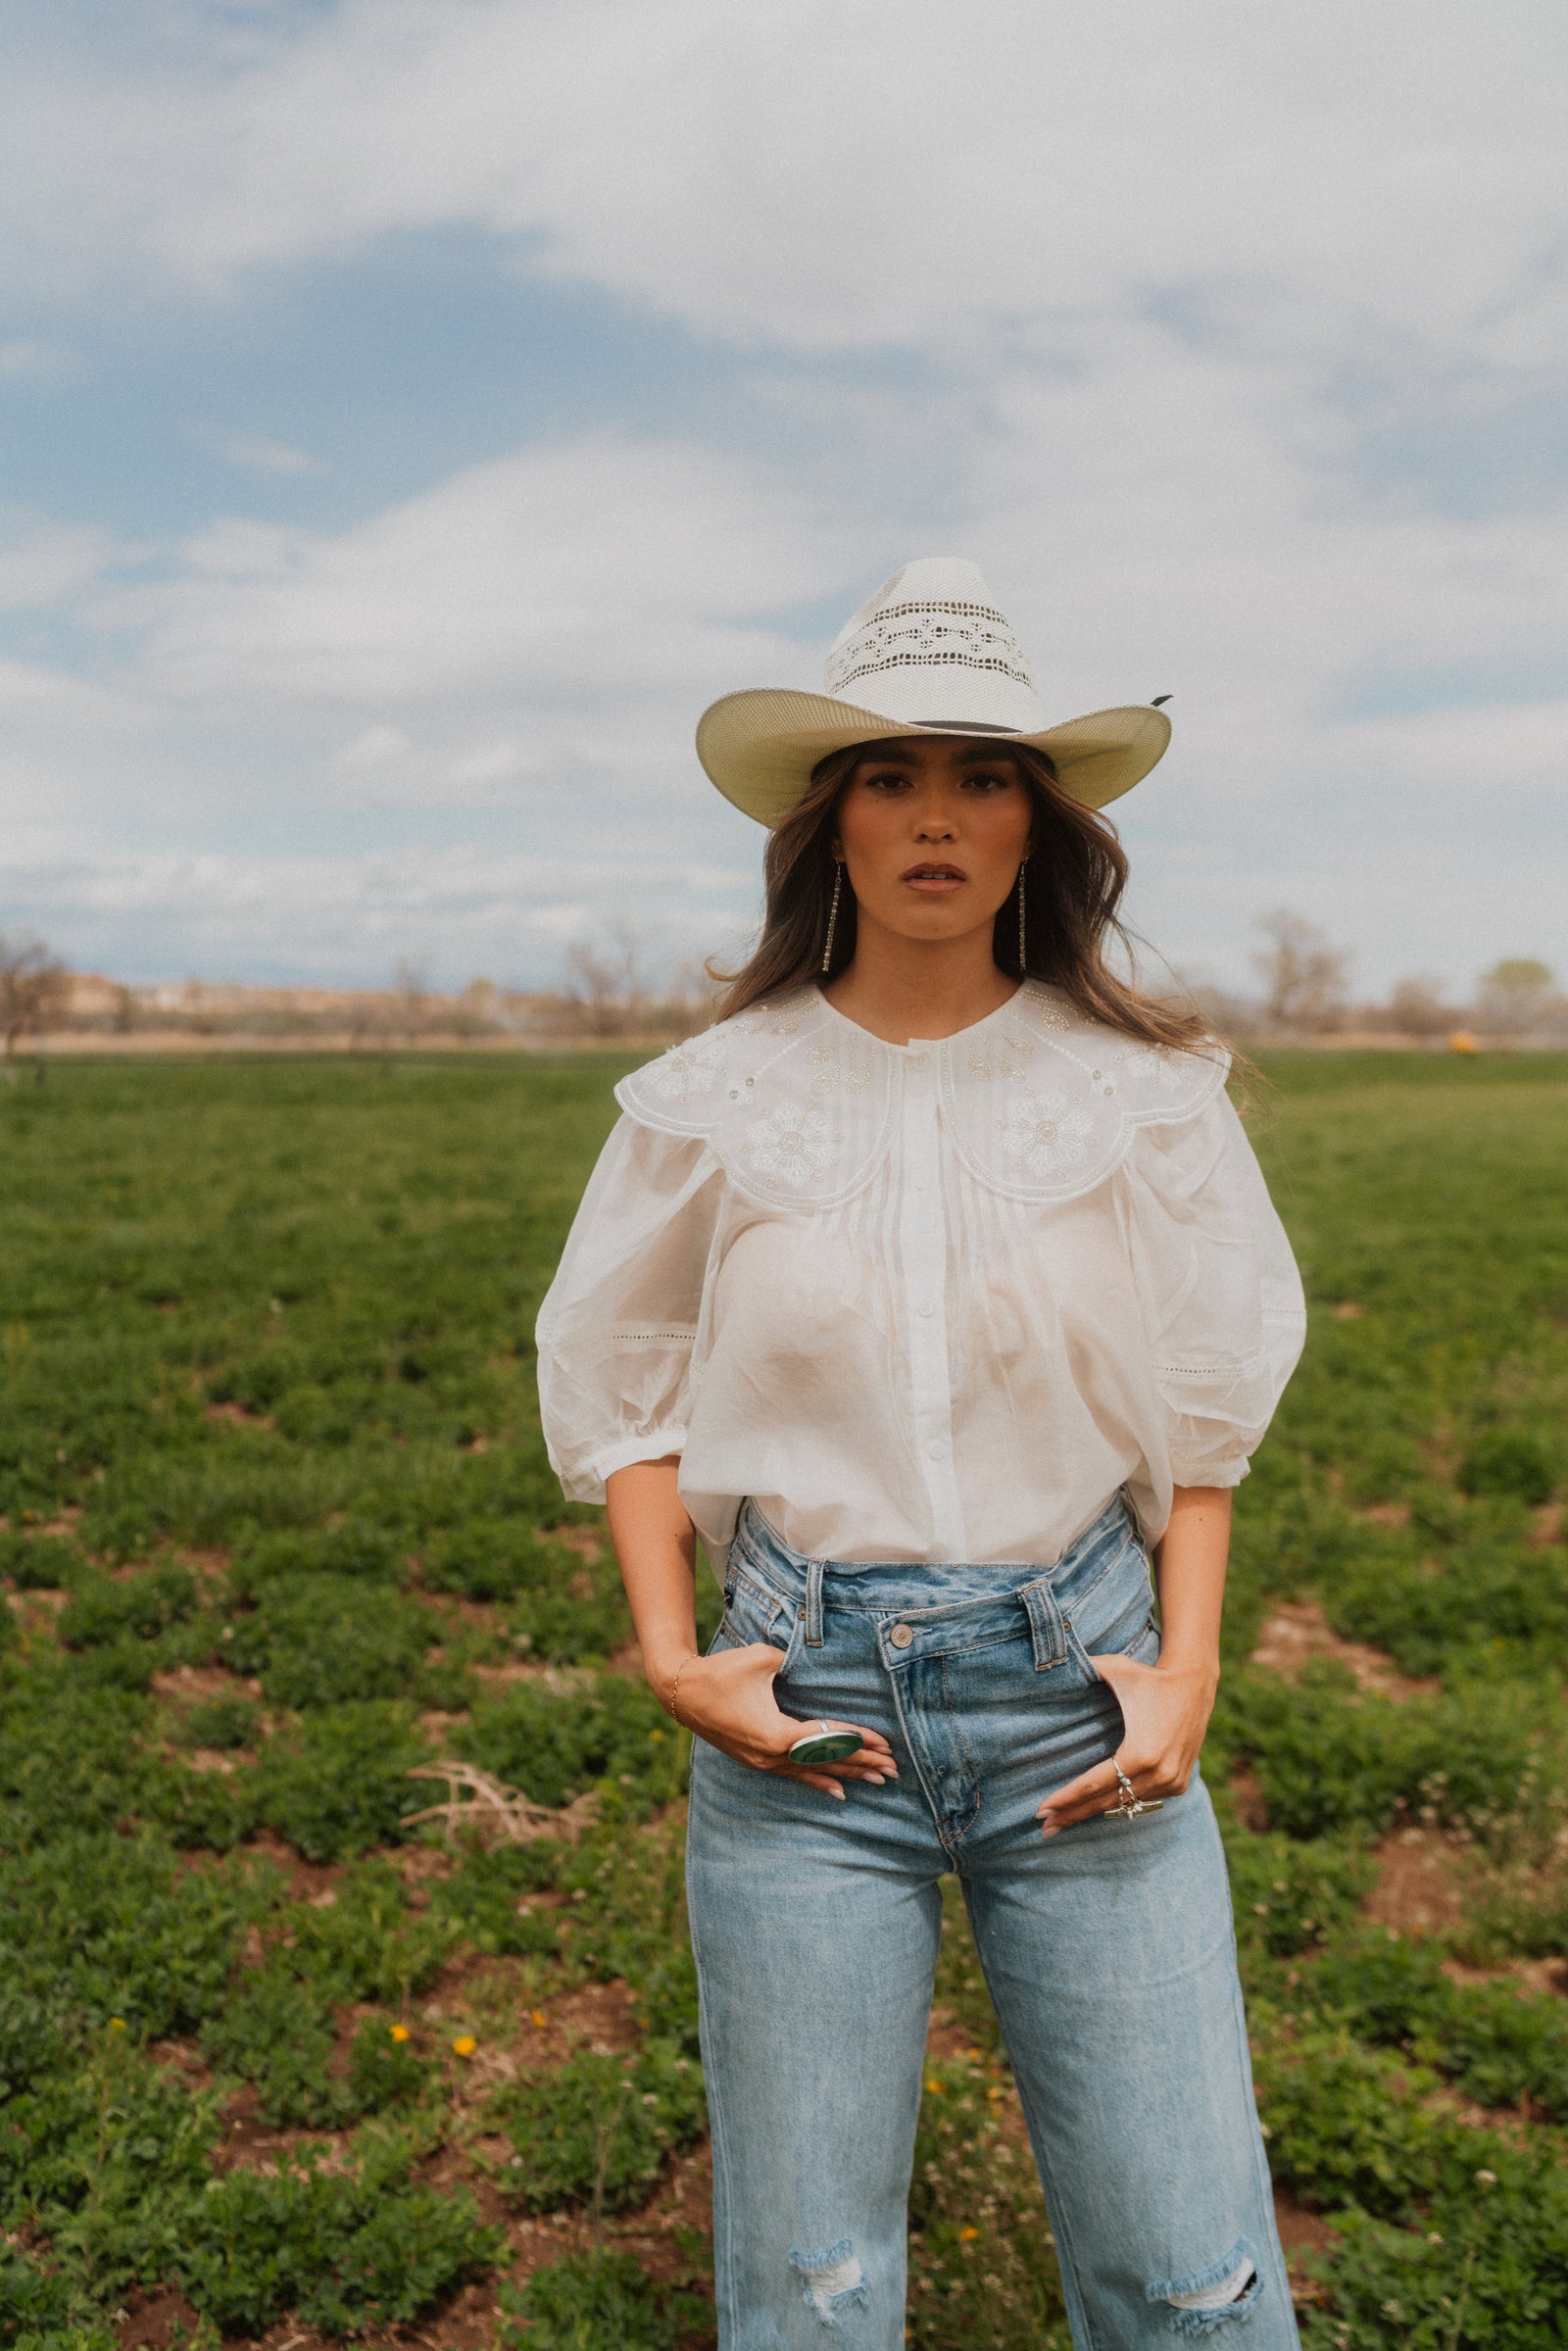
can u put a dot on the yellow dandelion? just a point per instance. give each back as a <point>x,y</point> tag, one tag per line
<point>398,2032</point>
<point>995,2092</point>
<point>465,2045</point>
<point>116,2023</point>
<point>934,2087</point>
<point>966,2235</point>
<point>536,2016</point>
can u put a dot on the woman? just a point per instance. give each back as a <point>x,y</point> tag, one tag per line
<point>932,1287</point>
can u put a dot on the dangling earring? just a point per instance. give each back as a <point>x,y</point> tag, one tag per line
<point>1023,953</point>
<point>833,910</point>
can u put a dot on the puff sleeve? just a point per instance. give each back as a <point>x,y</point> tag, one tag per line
<point>618,1324</point>
<point>1225,1317</point>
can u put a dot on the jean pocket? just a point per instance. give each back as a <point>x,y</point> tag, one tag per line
<point>753,1614</point>
<point>1117,1617</point>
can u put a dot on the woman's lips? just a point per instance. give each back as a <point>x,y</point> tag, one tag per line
<point>935,881</point>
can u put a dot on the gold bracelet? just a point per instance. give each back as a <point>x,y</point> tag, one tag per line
<point>670,1703</point>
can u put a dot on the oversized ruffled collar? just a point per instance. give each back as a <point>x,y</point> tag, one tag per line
<point>800,1106</point>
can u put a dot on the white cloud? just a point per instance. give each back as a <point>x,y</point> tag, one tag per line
<point>372,753</point>
<point>900,171</point>
<point>597,568</point>
<point>43,562</point>
<point>1157,268</point>
<point>1468,756</point>
<point>456,910</point>
<point>268,456</point>
<point>24,361</point>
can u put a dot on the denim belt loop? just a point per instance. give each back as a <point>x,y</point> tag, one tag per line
<point>813,1603</point>
<point>1045,1627</point>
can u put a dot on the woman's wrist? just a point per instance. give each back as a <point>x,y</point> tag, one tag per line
<point>1201,1666</point>
<point>663,1671</point>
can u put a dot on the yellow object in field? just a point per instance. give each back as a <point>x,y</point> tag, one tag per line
<point>1460,1040</point>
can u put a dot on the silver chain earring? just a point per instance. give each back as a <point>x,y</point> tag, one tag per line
<point>833,910</point>
<point>1023,953</point>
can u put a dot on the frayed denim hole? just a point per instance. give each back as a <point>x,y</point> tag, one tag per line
<point>1238,2268</point>
<point>831,2281</point>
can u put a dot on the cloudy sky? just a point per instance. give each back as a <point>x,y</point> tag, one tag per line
<point>413,411</point>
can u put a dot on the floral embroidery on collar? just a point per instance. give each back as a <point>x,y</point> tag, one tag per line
<point>1005,1055</point>
<point>1044,1134</point>
<point>801,1107</point>
<point>837,1071</point>
<point>792,1144</point>
<point>687,1072</point>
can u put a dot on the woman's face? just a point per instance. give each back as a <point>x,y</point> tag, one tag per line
<point>932,833</point>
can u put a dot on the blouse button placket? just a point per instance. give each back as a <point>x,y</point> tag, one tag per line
<point>923,1251</point>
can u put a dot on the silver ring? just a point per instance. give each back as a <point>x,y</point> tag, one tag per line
<point>1128,1806</point>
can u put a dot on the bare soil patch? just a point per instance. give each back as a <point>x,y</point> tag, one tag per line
<point>249,2144</point>
<point>946,2037</point>
<point>156,2319</point>
<point>198,1682</point>
<point>1247,1794</point>
<point>581,1540</point>
<point>1297,1631</point>
<point>1422,1879</point>
<point>1532,1978</point>
<point>240,1415</point>
<point>307,1880</point>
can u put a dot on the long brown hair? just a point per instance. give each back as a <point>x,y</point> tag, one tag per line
<point>1074,877</point>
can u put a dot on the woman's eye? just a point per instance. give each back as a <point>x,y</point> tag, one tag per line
<point>891,782</point>
<point>986,783</point>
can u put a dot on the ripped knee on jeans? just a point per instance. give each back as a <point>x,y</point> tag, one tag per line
<point>1211,2298</point>
<point>831,2281</point>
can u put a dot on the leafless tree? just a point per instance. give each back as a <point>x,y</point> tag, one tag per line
<point>478,1012</point>
<point>33,993</point>
<point>1305,978</point>
<point>1417,1008</point>
<point>606,982</point>
<point>412,985</point>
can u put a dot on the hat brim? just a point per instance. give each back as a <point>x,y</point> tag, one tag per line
<point>761,747</point>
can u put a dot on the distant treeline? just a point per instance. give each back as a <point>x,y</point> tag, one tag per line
<point>612,991</point>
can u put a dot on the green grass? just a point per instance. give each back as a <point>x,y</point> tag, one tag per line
<point>278,1528</point>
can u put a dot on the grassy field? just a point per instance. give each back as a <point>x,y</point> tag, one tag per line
<point>278,2060</point>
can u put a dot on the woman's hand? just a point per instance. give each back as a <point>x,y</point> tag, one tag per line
<point>1165,1711</point>
<point>728,1700</point>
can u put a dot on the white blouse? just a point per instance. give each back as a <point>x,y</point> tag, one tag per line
<point>920,1302</point>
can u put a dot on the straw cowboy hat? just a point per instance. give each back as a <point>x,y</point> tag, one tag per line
<point>929,653</point>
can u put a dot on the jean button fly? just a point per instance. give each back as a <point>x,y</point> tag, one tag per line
<point>902,1635</point>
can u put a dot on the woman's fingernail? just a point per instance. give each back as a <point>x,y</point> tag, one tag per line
<point>1050,1832</point>
<point>877,1779</point>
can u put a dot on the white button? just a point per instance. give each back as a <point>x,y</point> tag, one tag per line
<point>918,1060</point>
<point>925,1307</point>
<point>937,1450</point>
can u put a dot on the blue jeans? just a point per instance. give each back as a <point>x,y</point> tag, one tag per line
<point>1108,1952</point>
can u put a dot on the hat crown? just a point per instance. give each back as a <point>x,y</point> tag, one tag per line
<point>933,648</point>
